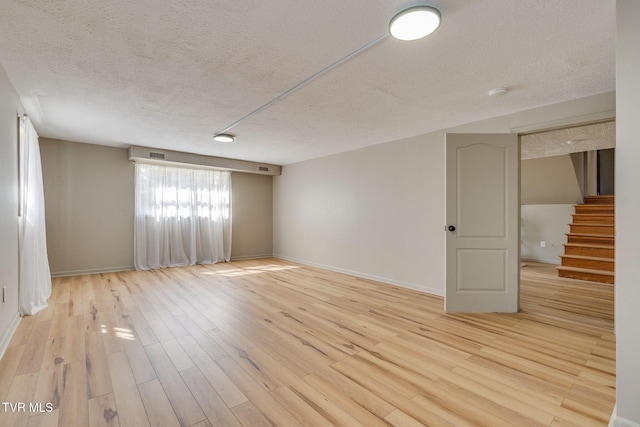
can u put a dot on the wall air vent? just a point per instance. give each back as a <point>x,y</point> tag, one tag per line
<point>181,159</point>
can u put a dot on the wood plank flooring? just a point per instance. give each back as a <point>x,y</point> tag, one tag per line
<point>273,343</point>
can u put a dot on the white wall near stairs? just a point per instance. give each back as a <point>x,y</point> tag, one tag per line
<point>548,223</point>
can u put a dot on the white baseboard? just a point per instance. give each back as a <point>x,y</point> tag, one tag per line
<point>542,260</point>
<point>244,257</point>
<point>388,281</point>
<point>131,267</point>
<point>616,421</point>
<point>92,271</point>
<point>4,340</point>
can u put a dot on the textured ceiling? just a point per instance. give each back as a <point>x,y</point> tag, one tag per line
<point>590,137</point>
<point>169,74</point>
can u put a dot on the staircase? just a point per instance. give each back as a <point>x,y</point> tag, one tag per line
<point>590,248</point>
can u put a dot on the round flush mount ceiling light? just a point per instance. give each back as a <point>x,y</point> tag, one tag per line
<point>223,137</point>
<point>414,23</point>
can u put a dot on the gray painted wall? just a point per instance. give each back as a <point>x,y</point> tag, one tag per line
<point>548,223</point>
<point>88,193</point>
<point>252,205</point>
<point>10,106</point>
<point>379,211</point>
<point>549,180</point>
<point>549,189</point>
<point>89,207</point>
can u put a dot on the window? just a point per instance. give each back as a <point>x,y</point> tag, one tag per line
<point>35,276</point>
<point>183,216</point>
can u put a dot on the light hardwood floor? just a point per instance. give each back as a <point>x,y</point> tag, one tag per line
<point>269,342</point>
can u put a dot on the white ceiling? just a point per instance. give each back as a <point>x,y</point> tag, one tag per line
<point>170,74</point>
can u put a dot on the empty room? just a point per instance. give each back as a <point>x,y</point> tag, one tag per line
<point>244,213</point>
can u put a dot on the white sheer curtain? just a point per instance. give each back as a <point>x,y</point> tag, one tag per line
<point>35,276</point>
<point>182,216</point>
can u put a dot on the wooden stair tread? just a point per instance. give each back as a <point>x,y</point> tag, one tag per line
<point>590,248</point>
<point>587,245</point>
<point>585,270</point>
<point>597,229</point>
<point>595,209</point>
<point>599,200</point>
<point>591,224</point>
<point>588,235</point>
<point>588,239</point>
<point>589,258</point>
<point>593,218</point>
<point>595,214</point>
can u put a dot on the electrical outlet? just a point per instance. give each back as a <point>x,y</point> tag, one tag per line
<point>543,244</point>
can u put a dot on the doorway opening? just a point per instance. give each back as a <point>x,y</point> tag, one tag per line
<point>562,168</point>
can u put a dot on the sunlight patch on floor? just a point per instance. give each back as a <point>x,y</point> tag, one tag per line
<point>122,333</point>
<point>234,272</point>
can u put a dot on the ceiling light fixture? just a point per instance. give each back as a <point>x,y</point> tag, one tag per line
<point>414,23</point>
<point>499,91</point>
<point>303,83</point>
<point>223,137</point>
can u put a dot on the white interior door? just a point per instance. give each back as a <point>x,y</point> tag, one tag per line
<point>483,222</point>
